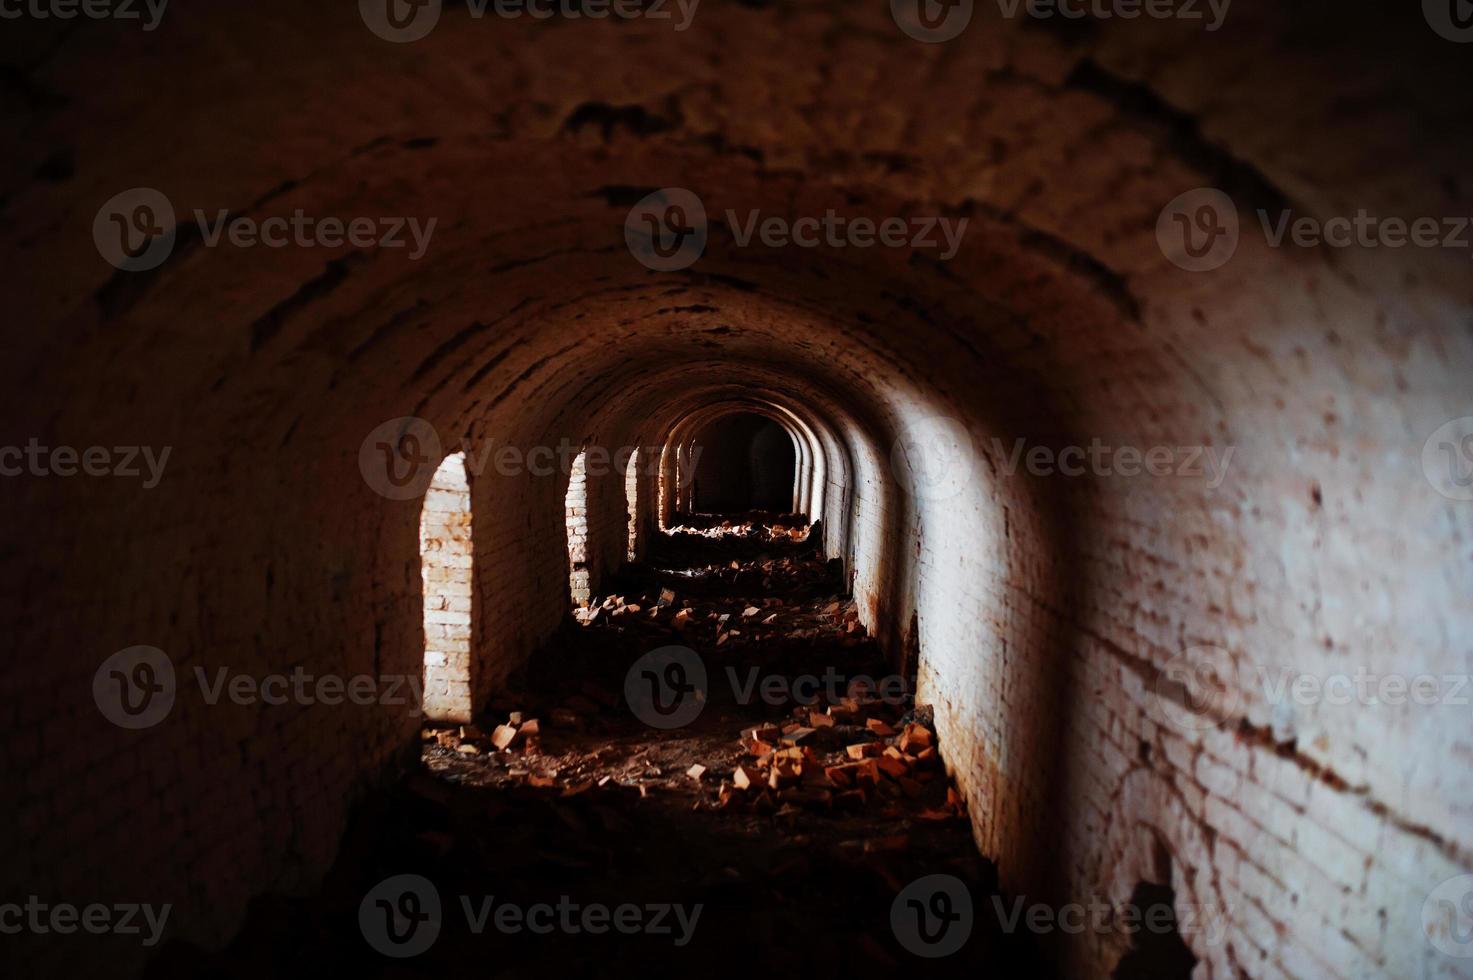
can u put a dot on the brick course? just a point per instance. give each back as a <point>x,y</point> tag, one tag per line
<point>1047,609</point>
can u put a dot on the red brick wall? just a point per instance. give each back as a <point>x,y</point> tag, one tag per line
<point>1047,609</point>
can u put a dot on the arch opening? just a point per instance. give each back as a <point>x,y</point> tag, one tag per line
<point>446,571</point>
<point>575,516</point>
<point>631,501</point>
<point>743,462</point>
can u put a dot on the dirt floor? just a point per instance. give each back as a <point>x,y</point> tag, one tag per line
<point>561,794</point>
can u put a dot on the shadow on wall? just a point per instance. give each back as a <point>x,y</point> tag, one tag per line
<point>976,592</point>
<point>1157,951</point>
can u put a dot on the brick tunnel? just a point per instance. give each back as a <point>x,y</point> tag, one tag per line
<point>1127,513</point>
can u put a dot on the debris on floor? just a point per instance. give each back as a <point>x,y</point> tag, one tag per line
<point>793,821</point>
<point>819,762</point>
<point>780,611</point>
<point>775,531</point>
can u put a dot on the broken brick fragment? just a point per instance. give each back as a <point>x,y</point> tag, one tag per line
<point>892,767</point>
<point>915,738</point>
<point>744,777</point>
<point>879,727</point>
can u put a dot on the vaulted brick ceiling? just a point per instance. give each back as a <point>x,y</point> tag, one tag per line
<point>1045,609</point>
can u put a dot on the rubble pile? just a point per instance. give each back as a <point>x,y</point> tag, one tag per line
<point>736,598</point>
<point>858,752</point>
<point>845,757</point>
<point>470,740</point>
<point>745,530</point>
<point>858,759</point>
